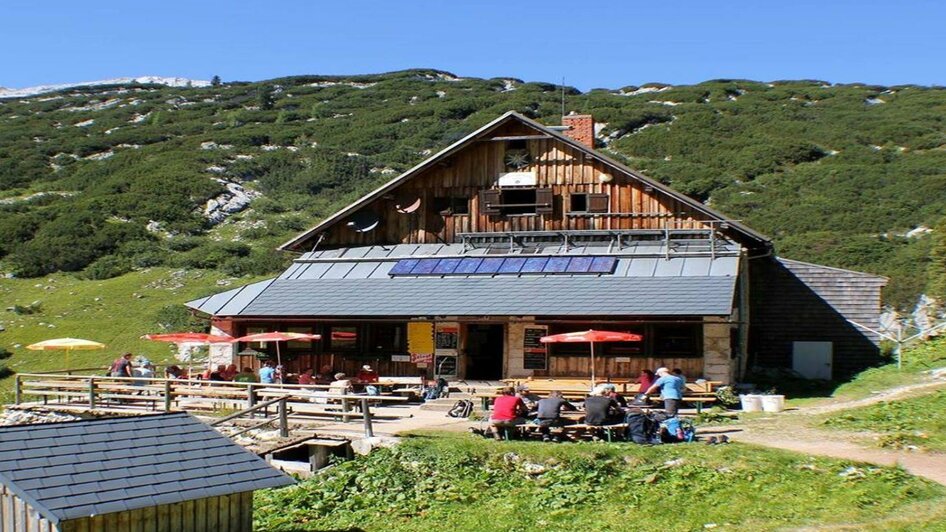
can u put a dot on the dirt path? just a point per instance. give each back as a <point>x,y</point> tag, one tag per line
<point>793,431</point>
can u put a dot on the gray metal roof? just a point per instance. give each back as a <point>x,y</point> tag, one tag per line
<point>494,296</point>
<point>77,469</point>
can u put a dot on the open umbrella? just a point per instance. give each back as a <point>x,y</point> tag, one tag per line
<point>277,337</point>
<point>65,344</point>
<point>591,336</point>
<point>189,338</point>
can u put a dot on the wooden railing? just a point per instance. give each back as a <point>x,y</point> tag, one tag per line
<point>91,392</point>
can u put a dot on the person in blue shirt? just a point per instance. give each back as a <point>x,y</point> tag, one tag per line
<point>671,390</point>
<point>267,374</point>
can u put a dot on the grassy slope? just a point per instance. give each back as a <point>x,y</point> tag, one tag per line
<point>115,312</point>
<point>828,171</point>
<point>458,482</point>
<point>918,421</point>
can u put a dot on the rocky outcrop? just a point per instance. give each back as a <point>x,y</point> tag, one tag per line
<point>234,200</point>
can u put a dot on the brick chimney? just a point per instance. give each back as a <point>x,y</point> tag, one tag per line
<point>581,128</point>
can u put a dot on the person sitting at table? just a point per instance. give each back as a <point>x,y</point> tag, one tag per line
<point>143,369</point>
<point>173,372</point>
<point>280,374</point>
<point>267,373</point>
<point>219,373</point>
<point>646,380</point>
<point>341,385</point>
<point>435,389</point>
<point>508,411</point>
<point>529,399</point>
<point>600,408</point>
<point>230,372</point>
<point>121,367</point>
<point>367,375</point>
<point>306,377</point>
<point>613,394</point>
<point>548,414</point>
<point>246,375</point>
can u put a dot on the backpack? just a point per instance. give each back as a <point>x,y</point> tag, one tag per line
<point>676,430</point>
<point>462,408</point>
<point>642,428</point>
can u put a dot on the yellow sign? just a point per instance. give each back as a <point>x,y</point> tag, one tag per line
<point>420,337</point>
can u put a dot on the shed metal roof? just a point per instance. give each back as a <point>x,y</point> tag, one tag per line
<point>77,469</point>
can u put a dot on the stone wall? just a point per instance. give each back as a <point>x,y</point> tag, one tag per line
<point>515,332</point>
<point>717,351</point>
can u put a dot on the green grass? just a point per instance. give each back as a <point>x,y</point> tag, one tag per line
<point>115,312</point>
<point>919,421</point>
<point>448,481</point>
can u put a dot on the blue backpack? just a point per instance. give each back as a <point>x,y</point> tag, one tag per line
<point>676,430</point>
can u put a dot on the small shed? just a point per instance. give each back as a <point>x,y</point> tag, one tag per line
<point>156,472</point>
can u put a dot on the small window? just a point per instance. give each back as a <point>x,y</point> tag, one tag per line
<point>518,201</point>
<point>343,338</point>
<point>677,341</point>
<point>578,203</point>
<point>586,202</point>
<point>452,206</point>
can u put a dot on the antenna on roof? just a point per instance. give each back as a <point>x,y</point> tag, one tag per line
<point>563,96</point>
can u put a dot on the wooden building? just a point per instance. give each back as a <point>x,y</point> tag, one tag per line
<point>157,472</point>
<point>460,264</point>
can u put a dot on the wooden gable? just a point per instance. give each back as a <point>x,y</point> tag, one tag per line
<point>568,187</point>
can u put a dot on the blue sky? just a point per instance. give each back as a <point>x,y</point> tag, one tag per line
<point>592,44</point>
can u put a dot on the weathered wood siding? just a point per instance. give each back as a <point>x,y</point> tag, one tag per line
<point>794,301</point>
<point>558,166</point>
<point>226,513</point>
<point>18,516</point>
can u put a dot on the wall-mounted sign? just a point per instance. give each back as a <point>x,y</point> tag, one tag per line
<point>400,358</point>
<point>420,337</point>
<point>422,358</point>
<point>445,366</point>
<point>447,338</point>
<point>534,352</point>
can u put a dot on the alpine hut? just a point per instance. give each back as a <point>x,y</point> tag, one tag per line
<point>458,266</point>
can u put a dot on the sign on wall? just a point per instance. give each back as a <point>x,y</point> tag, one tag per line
<point>534,352</point>
<point>420,337</point>
<point>446,366</point>
<point>447,338</point>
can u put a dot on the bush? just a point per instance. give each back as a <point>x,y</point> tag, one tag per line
<point>107,267</point>
<point>177,318</point>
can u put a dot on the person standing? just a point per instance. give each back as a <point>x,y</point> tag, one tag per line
<point>671,390</point>
<point>121,367</point>
<point>267,374</point>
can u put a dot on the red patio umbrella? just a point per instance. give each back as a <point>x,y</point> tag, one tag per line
<point>277,337</point>
<point>591,336</point>
<point>190,338</point>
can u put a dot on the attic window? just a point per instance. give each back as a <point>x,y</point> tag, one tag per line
<point>452,206</point>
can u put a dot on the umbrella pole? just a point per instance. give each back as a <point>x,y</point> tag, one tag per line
<point>278,357</point>
<point>593,383</point>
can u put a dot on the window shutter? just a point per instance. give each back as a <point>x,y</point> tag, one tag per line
<point>598,202</point>
<point>489,201</point>
<point>543,201</point>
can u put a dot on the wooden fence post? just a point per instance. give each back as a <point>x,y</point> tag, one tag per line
<point>167,395</point>
<point>91,393</point>
<point>17,390</point>
<point>283,419</point>
<point>250,397</point>
<point>366,414</point>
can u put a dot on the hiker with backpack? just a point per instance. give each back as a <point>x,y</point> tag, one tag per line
<point>548,414</point>
<point>671,390</point>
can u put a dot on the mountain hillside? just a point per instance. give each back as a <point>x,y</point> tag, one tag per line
<point>105,179</point>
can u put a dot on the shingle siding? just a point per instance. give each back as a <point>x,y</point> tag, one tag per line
<point>796,301</point>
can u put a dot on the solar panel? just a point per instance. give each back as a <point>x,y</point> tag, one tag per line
<point>489,265</point>
<point>556,265</point>
<point>467,266</point>
<point>602,265</point>
<point>579,265</point>
<point>446,266</point>
<point>534,265</point>
<point>512,265</point>
<point>425,266</point>
<point>403,267</point>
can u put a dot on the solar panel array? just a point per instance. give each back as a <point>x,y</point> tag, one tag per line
<point>504,266</point>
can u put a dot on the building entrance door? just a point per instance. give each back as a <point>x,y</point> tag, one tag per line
<point>484,352</point>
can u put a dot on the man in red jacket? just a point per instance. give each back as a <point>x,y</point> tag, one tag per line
<point>508,411</point>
